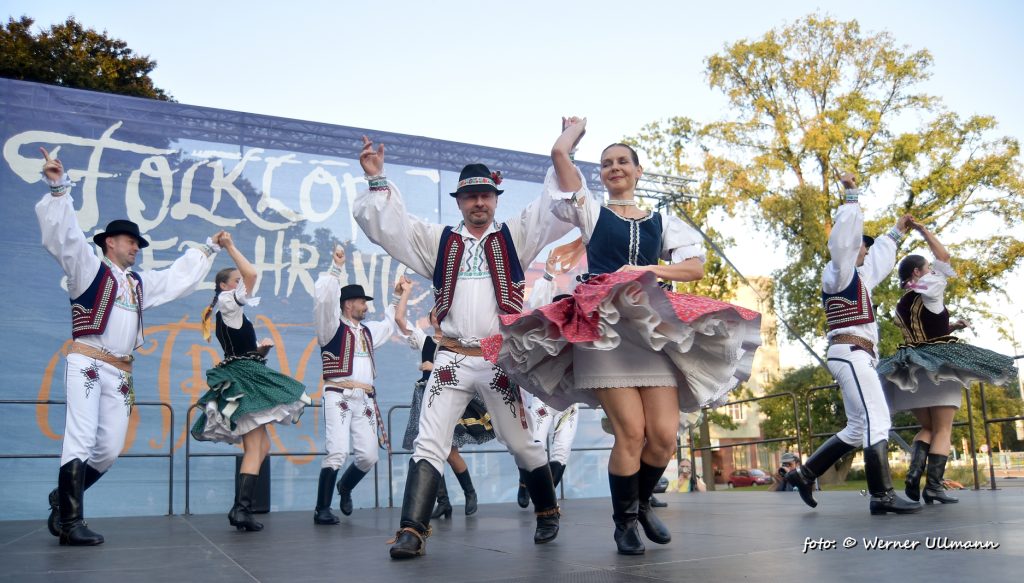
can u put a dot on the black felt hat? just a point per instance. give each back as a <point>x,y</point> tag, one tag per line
<point>478,178</point>
<point>120,227</point>
<point>868,240</point>
<point>354,292</point>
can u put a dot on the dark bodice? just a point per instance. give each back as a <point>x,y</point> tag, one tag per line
<point>617,241</point>
<point>427,355</point>
<point>918,323</point>
<point>236,342</point>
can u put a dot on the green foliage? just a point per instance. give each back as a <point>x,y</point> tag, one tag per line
<point>73,56</point>
<point>820,96</point>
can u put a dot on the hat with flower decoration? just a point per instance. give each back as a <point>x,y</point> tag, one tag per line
<point>478,178</point>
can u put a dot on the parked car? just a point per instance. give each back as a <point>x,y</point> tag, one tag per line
<point>754,477</point>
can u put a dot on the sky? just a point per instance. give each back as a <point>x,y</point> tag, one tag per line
<point>502,74</point>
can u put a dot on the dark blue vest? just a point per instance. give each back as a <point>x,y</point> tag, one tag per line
<point>337,355</point>
<point>618,241</point>
<point>502,261</point>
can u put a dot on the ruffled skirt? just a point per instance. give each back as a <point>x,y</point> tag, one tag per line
<point>244,394</point>
<point>474,427</point>
<point>625,330</point>
<point>932,374</point>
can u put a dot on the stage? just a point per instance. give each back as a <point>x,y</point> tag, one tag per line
<point>721,536</point>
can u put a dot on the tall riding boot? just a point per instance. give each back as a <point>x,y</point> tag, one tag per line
<point>820,461</point>
<point>934,489</point>
<point>70,485</point>
<point>522,497</point>
<point>545,503</point>
<point>346,484</point>
<point>918,457</point>
<point>557,469</point>
<point>420,491</point>
<point>467,488</point>
<point>240,515</point>
<point>876,470</point>
<point>653,527</point>
<point>324,494</point>
<point>444,506</point>
<point>53,521</point>
<point>625,507</point>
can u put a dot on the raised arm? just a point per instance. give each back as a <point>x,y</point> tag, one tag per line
<point>382,216</point>
<point>327,298</point>
<point>160,286</point>
<point>62,237</point>
<point>245,269</point>
<point>403,289</point>
<point>845,240</point>
<point>573,129</point>
<point>934,245</point>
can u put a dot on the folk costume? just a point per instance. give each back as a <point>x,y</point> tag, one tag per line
<point>244,393</point>
<point>350,407</point>
<point>107,305</point>
<point>624,330</point>
<point>852,354</point>
<point>473,428</point>
<point>931,368</point>
<point>475,280</point>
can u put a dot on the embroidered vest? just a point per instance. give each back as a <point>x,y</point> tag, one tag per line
<point>506,270</point>
<point>917,322</point>
<point>617,241</point>
<point>338,353</point>
<point>91,310</point>
<point>849,307</point>
<point>236,342</point>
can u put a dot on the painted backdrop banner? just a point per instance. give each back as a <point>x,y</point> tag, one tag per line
<point>284,189</point>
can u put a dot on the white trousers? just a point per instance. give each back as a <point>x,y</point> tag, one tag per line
<point>867,413</point>
<point>450,388</point>
<point>543,417</point>
<point>100,399</point>
<point>351,422</point>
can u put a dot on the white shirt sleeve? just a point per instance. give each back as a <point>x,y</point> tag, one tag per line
<point>580,209</point>
<point>327,304</point>
<point>932,286</point>
<point>160,286</point>
<point>231,302</point>
<point>66,242</point>
<point>416,338</point>
<point>680,241</point>
<point>881,258</point>
<point>383,329</point>
<point>542,293</point>
<point>843,246</point>
<point>408,239</point>
<point>536,227</point>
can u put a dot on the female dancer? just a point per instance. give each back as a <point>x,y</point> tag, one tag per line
<point>927,373</point>
<point>622,341</point>
<point>474,427</point>
<point>245,394</point>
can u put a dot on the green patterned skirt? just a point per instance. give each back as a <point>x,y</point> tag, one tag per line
<point>933,374</point>
<point>244,394</point>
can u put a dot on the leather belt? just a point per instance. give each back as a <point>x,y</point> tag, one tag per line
<point>857,341</point>
<point>453,345</point>
<point>121,363</point>
<point>341,386</point>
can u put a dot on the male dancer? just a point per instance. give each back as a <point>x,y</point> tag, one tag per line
<point>350,409</point>
<point>858,263</point>
<point>107,301</point>
<point>477,270</point>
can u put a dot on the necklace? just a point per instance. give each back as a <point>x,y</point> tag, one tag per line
<point>618,202</point>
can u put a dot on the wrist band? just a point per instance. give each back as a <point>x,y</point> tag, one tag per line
<point>548,276</point>
<point>59,190</point>
<point>379,182</point>
<point>852,195</point>
<point>334,270</point>
<point>895,235</point>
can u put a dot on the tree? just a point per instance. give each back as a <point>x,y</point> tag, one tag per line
<point>819,96</point>
<point>73,56</point>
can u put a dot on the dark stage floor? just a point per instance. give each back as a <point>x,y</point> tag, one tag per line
<point>726,536</point>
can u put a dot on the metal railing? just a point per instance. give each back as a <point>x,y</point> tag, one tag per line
<point>189,455</point>
<point>988,437</point>
<point>170,442</point>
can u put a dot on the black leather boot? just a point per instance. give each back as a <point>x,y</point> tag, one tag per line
<point>625,507</point>
<point>522,497</point>
<point>70,485</point>
<point>324,494</point>
<point>918,457</point>
<point>653,527</point>
<point>467,488</point>
<point>655,503</point>
<point>820,461</point>
<point>53,521</point>
<point>346,484</point>
<point>444,505</point>
<point>557,469</point>
<point>545,503</point>
<point>420,490</point>
<point>876,470</point>
<point>240,515</point>
<point>934,489</point>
